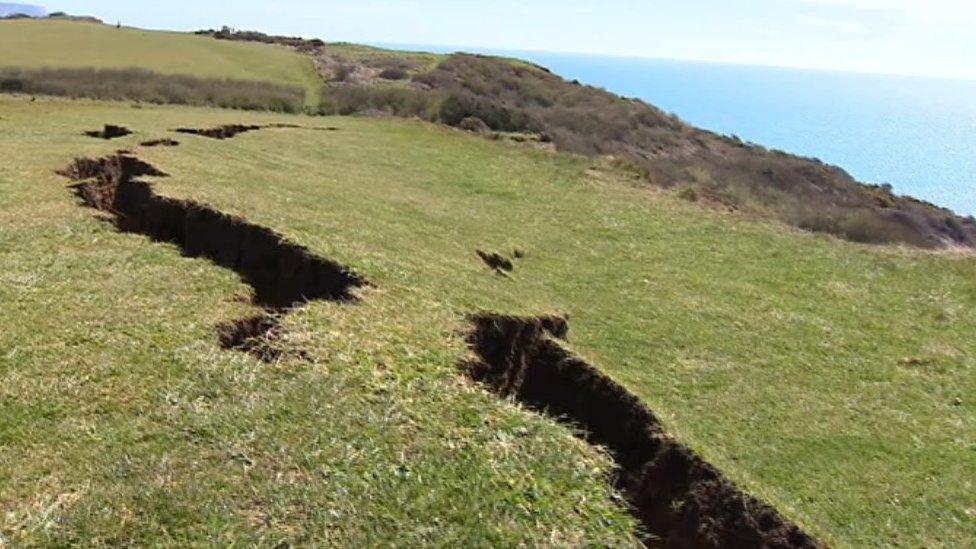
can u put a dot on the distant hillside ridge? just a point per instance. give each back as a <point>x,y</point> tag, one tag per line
<point>7,10</point>
<point>496,95</point>
<point>67,55</point>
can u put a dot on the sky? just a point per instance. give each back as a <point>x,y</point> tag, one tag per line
<point>915,37</point>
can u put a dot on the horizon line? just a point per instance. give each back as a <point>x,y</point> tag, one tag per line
<point>638,57</point>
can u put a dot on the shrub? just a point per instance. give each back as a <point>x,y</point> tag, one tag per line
<point>473,124</point>
<point>393,73</point>
<point>688,193</point>
<point>343,72</point>
<point>458,106</point>
<point>11,85</point>
<point>349,99</point>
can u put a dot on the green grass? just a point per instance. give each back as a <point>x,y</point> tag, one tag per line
<point>424,61</point>
<point>833,380</point>
<point>53,43</point>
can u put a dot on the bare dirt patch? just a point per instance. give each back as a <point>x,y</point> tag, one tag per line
<point>259,336</point>
<point>497,262</point>
<point>109,132</point>
<point>681,500</point>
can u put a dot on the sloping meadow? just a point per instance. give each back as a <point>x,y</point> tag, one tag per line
<point>827,379</point>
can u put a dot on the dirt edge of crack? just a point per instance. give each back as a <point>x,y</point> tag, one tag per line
<point>281,274</point>
<point>166,142</point>
<point>496,261</point>
<point>110,131</point>
<point>220,132</point>
<point>228,131</point>
<point>680,499</point>
<point>259,336</point>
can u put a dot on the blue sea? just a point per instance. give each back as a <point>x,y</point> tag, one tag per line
<point>917,134</point>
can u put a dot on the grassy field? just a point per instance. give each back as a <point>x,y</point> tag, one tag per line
<point>79,44</point>
<point>831,379</point>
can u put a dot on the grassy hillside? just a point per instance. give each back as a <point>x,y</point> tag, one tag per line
<point>485,94</point>
<point>67,44</point>
<point>833,380</point>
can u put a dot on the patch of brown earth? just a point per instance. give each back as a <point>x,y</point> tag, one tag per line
<point>496,261</point>
<point>161,143</point>
<point>109,132</point>
<point>681,500</point>
<point>259,336</point>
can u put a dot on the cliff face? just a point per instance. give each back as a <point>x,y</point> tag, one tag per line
<point>7,10</point>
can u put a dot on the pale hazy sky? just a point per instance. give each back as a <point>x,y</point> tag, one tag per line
<point>926,37</point>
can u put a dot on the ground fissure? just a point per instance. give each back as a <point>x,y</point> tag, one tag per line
<point>680,499</point>
<point>282,275</point>
<point>110,131</point>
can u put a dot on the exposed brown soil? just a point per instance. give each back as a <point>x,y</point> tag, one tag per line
<point>496,261</point>
<point>282,275</point>
<point>258,336</point>
<point>681,500</point>
<point>297,127</point>
<point>220,132</point>
<point>161,143</point>
<point>231,130</point>
<point>109,132</point>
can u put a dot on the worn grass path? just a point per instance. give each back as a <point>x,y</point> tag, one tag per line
<point>830,379</point>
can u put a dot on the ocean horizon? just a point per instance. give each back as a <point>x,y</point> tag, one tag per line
<point>917,134</point>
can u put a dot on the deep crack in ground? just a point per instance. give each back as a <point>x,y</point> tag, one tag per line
<point>681,500</point>
<point>281,274</point>
<point>109,132</point>
<point>220,132</point>
<point>231,130</point>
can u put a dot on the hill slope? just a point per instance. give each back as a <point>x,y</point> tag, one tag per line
<point>73,44</point>
<point>489,93</point>
<point>828,378</point>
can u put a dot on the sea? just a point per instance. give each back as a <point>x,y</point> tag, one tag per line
<point>917,134</point>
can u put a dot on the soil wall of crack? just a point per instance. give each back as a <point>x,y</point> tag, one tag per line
<point>220,132</point>
<point>281,273</point>
<point>681,500</point>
